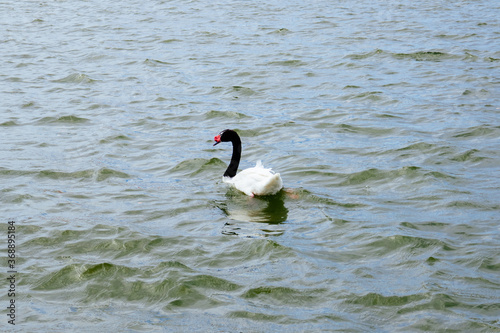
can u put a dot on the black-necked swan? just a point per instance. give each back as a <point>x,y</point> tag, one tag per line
<point>252,181</point>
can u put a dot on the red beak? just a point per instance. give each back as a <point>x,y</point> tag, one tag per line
<point>217,139</point>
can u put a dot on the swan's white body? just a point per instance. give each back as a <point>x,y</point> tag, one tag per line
<point>256,181</point>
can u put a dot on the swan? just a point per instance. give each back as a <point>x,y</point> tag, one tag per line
<point>252,181</point>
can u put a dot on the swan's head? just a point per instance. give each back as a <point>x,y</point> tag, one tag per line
<point>225,136</point>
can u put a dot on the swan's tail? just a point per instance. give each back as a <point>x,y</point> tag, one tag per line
<point>260,165</point>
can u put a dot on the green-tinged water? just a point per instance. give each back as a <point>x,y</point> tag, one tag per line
<point>383,119</point>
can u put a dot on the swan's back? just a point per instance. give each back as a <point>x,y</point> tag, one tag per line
<point>256,181</point>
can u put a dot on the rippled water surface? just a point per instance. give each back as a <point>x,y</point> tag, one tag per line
<point>382,118</point>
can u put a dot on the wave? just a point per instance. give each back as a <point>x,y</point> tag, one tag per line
<point>434,56</point>
<point>214,114</point>
<point>196,166</point>
<point>9,123</point>
<point>285,295</point>
<point>486,131</point>
<point>170,283</point>
<point>76,78</point>
<point>99,174</point>
<point>69,119</point>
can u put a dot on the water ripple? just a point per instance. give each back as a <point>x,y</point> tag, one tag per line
<point>382,119</point>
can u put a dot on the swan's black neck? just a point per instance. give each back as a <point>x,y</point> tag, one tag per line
<point>235,158</point>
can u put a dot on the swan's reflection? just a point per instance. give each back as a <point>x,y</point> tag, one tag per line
<point>244,211</point>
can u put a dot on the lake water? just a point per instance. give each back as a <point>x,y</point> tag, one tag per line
<point>382,117</point>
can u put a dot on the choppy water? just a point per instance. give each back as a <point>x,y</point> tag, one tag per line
<point>382,118</point>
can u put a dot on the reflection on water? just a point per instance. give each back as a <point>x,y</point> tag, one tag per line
<point>245,212</point>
